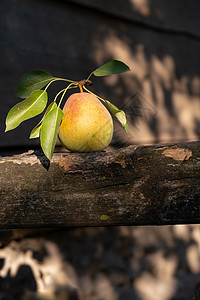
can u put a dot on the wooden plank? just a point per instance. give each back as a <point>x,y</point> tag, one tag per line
<point>136,185</point>
<point>159,60</point>
<point>156,15</point>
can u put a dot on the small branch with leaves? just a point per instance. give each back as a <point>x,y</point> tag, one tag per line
<point>30,87</point>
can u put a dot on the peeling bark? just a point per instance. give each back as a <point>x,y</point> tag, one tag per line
<point>178,153</point>
<point>136,185</point>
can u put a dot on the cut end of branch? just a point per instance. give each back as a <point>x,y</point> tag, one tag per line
<point>85,82</point>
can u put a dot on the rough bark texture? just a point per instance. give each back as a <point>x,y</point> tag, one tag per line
<point>137,185</point>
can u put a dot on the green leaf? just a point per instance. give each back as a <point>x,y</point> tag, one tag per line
<point>118,113</point>
<point>30,81</point>
<point>49,131</point>
<point>28,108</point>
<point>35,133</point>
<point>111,67</point>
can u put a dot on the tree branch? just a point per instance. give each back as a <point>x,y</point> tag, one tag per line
<point>136,185</point>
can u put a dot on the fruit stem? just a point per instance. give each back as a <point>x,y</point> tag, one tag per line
<point>72,81</point>
<point>89,76</point>
<point>65,90</point>
<point>94,94</point>
<point>50,83</point>
<point>80,87</point>
<point>68,87</point>
<point>82,83</point>
<point>58,95</point>
<point>56,78</point>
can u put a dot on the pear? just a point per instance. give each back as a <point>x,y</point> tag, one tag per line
<point>87,126</point>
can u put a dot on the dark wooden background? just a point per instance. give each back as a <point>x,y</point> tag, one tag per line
<point>159,40</point>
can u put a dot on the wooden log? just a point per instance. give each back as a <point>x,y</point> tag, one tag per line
<point>136,185</point>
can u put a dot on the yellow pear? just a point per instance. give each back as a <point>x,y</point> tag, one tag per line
<point>87,126</point>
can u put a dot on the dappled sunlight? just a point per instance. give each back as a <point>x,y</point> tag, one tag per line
<point>187,113</point>
<point>103,287</point>
<point>104,48</point>
<point>193,258</point>
<point>142,262</point>
<point>174,100</point>
<point>182,232</point>
<point>48,269</point>
<point>141,6</point>
<point>150,288</point>
<point>165,70</point>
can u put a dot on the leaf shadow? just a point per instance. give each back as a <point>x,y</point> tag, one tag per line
<point>45,162</point>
